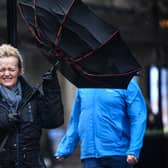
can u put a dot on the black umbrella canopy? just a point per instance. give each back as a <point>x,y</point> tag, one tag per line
<point>94,53</point>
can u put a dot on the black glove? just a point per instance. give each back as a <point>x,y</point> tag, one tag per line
<point>51,74</point>
<point>14,118</point>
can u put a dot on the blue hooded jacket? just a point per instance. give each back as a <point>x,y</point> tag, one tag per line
<point>107,122</point>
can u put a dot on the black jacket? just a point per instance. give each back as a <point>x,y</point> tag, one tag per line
<point>44,110</point>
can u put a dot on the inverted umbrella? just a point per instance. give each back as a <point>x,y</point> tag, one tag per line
<point>92,52</point>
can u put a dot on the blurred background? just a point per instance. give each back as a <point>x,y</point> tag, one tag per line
<point>144,26</point>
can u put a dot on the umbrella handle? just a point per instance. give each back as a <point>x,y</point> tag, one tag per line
<point>51,73</point>
<point>55,66</point>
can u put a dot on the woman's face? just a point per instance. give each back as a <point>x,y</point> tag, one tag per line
<point>9,71</point>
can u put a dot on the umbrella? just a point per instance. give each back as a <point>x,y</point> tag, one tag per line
<point>93,53</point>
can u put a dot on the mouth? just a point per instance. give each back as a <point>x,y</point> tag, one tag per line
<point>7,79</point>
<point>8,82</point>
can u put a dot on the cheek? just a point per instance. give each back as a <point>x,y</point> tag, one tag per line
<point>1,76</point>
<point>17,74</point>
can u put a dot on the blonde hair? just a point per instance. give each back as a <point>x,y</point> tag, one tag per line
<point>7,50</point>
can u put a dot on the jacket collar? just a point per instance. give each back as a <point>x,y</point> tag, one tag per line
<point>27,89</point>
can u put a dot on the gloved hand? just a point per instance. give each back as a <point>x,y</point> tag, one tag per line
<point>14,118</point>
<point>51,74</point>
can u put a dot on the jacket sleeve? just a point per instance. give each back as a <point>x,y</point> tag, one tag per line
<point>50,104</point>
<point>4,120</point>
<point>70,140</point>
<point>136,109</point>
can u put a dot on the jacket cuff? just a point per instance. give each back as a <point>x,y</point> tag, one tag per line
<point>136,153</point>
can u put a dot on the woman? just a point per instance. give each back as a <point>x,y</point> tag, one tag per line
<point>110,125</point>
<point>22,125</point>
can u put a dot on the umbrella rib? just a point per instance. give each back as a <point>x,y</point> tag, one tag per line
<point>35,18</point>
<point>91,52</point>
<point>31,29</point>
<point>106,75</point>
<point>79,68</point>
<point>111,75</point>
<point>61,25</point>
<point>64,19</point>
<point>84,29</point>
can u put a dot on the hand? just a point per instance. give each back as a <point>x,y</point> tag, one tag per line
<point>51,74</point>
<point>131,159</point>
<point>14,117</point>
<point>60,158</point>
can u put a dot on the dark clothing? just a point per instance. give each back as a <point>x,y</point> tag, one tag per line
<point>31,159</point>
<point>23,144</point>
<point>106,162</point>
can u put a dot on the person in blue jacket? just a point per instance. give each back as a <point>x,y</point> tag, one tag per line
<point>110,125</point>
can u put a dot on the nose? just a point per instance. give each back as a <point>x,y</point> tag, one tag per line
<point>6,72</point>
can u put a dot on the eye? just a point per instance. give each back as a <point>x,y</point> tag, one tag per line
<point>2,70</point>
<point>12,69</point>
